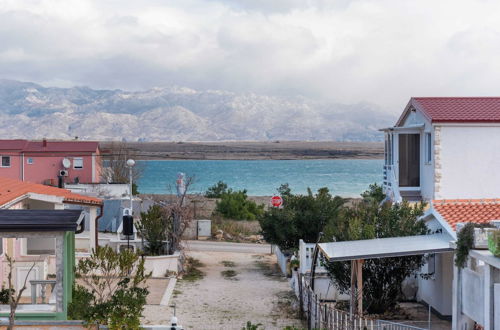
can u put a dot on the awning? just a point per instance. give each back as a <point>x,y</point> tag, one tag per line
<point>386,247</point>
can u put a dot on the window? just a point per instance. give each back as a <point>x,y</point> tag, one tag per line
<point>78,162</point>
<point>388,149</point>
<point>29,161</point>
<point>5,161</point>
<point>431,264</point>
<point>428,147</point>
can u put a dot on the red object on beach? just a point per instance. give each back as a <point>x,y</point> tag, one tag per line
<point>276,201</point>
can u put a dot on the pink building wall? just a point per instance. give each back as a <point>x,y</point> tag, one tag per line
<point>48,167</point>
<point>45,165</point>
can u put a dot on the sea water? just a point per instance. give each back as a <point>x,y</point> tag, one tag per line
<point>343,177</point>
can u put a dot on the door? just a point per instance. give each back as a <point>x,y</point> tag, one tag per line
<point>409,160</point>
<point>204,228</point>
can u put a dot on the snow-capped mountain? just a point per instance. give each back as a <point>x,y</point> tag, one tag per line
<point>31,111</point>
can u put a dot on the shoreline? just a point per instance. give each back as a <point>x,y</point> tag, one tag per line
<point>245,150</point>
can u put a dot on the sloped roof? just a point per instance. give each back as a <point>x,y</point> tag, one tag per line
<point>454,211</point>
<point>39,220</point>
<point>456,109</point>
<point>386,247</point>
<point>10,189</point>
<point>51,146</point>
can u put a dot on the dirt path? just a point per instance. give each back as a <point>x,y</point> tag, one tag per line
<point>257,293</point>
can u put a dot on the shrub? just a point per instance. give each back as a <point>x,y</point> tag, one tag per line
<point>235,205</point>
<point>153,228</point>
<point>302,217</point>
<point>216,190</point>
<point>113,294</point>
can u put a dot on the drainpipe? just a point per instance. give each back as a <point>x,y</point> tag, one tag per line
<point>101,208</point>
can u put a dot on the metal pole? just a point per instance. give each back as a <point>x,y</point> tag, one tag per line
<point>130,181</point>
<point>429,321</point>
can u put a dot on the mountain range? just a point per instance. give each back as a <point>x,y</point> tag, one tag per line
<point>31,111</point>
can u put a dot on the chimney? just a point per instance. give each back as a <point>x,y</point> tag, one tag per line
<point>44,142</point>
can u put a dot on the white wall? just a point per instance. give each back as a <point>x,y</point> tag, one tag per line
<point>103,190</point>
<point>470,162</point>
<point>438,291</point>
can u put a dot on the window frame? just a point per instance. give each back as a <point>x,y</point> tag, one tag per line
<point>428,147</point>
<point>1,161</point>
<point>75,159</point>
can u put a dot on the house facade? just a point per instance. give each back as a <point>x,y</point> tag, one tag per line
<point>444,148</point>
<point>48,162</point>
<point>445,151</point>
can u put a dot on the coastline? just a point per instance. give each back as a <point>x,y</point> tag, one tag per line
<point>246,150</point>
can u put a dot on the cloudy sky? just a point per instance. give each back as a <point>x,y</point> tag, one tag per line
<point>349,51</point>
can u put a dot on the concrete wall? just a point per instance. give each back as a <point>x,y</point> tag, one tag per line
<point>473,295</point>
<point>470,159</point>
<point>437,291</point>
<point>14,170</point>
<point>160,265</point>
<point>104,190</point>
<point>282,260</point>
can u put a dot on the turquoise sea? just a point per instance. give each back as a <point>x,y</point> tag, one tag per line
<point>344,177</point>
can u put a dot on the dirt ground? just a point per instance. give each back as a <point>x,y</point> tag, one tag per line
<point>237,287</point>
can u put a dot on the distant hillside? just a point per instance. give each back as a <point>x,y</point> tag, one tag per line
<point>28,110</point>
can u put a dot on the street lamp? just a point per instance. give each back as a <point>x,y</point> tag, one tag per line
<point>130,164</point>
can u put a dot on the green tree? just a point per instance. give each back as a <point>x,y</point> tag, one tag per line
<point>216,190</point>
<point>236,205</point>
<point>153,229</point>
<point>368,219</point>
<point>114,291</point>
<point>301,217</point>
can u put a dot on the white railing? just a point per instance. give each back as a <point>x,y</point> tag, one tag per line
<point>391,184</point>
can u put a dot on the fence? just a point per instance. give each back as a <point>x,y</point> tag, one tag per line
<point>323,315</point>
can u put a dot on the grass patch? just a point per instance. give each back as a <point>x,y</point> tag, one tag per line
<point>193,273</point>
<point>227,263</point>
<point>236,228</point>
<point>229,274</point>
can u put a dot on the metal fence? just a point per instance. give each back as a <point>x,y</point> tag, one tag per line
<point>323,315</point>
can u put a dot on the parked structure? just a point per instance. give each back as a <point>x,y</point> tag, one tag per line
<point>48,162</point>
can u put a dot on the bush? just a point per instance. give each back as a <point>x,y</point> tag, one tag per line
<point>235,205</point>
<point>153,229</point>
<point>4,295</point>
<point>113,294</point>
<point>302,217</point>
<point>216,190</point>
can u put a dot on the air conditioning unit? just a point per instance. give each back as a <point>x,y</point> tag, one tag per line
<point>63,173</point>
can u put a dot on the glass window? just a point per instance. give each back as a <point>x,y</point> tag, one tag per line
<point>78,162</point>
<point>5,161</point>
<point>30,161</point>
<point>428,144</point>
<point>431,264</point>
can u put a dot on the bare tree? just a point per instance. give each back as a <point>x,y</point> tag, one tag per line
<point>13,299</point>
<point>115,167</point>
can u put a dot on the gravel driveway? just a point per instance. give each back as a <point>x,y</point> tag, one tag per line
<point>253,292</point>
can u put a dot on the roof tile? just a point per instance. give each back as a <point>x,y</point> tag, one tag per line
<point>11,189</point>
<point>459,109</point>
<point>467,210</point>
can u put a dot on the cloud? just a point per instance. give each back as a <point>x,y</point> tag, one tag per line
<point>381,51</point>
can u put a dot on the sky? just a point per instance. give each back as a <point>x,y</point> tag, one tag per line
<point>380,52</point>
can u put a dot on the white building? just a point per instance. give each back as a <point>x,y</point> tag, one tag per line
<point>445,151</point>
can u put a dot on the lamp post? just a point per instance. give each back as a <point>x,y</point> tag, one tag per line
<point>130,164</point>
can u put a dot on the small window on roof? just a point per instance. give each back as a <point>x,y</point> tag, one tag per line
<point>5,161</point>
<point>78,162</point>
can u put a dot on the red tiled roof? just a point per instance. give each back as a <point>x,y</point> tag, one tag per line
<point>11,189</point>
<point>12,144</point>
<point>459,109</point>
<point>51,146</point>
<point>468,210</point>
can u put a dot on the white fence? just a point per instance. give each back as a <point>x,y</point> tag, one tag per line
<point>283,260</point>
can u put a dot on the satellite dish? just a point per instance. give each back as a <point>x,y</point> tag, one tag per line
<point>66,163</point>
